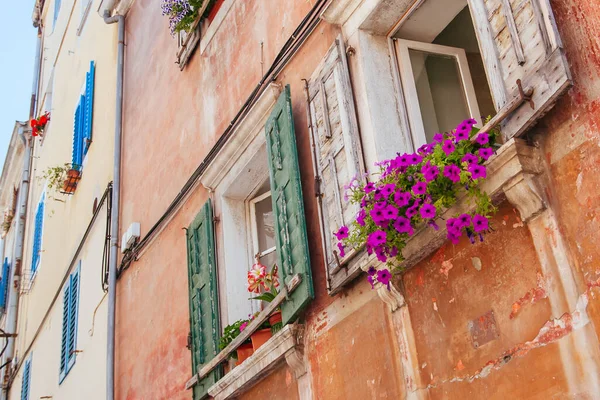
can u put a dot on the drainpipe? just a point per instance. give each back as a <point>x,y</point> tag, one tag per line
<point>13,294</point>
<point>114,218</point>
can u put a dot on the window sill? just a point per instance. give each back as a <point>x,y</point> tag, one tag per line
<point>286,344</point>
<point>510,177</point>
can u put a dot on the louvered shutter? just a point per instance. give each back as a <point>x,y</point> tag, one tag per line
<point>37,235</point>
<point>203,296</point>
<point>26,383</point>
<point>64,344</point>
<point>4,285</point>
<point>77,155</point>
<point>73,318</point>
<point>88,107</point>
<point>519,40</point>
<point>338,155</point>
<point>288,206</point>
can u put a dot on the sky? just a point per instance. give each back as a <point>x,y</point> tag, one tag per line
<point>17,55</point>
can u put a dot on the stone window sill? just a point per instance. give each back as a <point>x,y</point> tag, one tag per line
<point>286,344</point>
<point>511,174</point>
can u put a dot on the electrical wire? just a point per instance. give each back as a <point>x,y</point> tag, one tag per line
<point>291,46</point>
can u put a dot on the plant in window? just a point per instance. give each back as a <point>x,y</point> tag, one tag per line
<point>9,214</point>
<point>413,190</point>
<point>38,125</point>
<point>182,13</point>
<point>259,280</point>
<point>62,178</point>
<point>229,334</point>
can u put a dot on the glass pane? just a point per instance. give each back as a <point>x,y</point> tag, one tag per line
<point>264,224</point>
<point>269,260</point>
<point>440,91</point>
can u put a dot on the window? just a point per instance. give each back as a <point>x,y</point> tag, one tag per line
<point>259,208</point>
<point>68,344</point>
<point>83,120</point>
<point>436,49</point>
<point>37,235</point>
<point>26,382</point>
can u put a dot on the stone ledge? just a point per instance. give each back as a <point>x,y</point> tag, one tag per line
<point>286,344</point>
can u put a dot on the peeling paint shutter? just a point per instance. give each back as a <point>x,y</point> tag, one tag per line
<point>68,343</point>
<point>338,155</point>
<point>519,40</point>
<point>89,107</point>
<point>204,316</point>
<point>26,383</point>
<point>4,285</point>
<point>288,206</point>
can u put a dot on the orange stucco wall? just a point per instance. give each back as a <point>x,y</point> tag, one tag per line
<point>172,119</point>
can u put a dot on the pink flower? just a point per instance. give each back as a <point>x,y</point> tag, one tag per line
<point>448,147</point>
<point>420,188</point>
<point>485,152</point>
<point>402,225</point>
<point>480,223</point>
<point>477,171</point>
<point>452,172</point>
<point>402,198</point>
<point>427,211</point>
<point>342,233</point>
<point>483,138</point>
<point>470,159</point>
<point>377,238</point>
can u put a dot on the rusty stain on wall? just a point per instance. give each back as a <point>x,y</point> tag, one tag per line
<point>532,296</point>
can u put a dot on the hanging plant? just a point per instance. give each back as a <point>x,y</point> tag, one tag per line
<point>413,190</point>
<point>62,178</point>
<point>9,214</point>
<point>182,13</point>
<point>38,125</point>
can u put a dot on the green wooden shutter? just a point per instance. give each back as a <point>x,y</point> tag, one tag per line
<point>288,205</point>
<point>204,300</point>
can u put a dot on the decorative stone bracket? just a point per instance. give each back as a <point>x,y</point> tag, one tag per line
<point>287,344</point>
<point>511,174</point>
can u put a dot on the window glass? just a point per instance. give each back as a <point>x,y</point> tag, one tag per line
<point>264,228</point>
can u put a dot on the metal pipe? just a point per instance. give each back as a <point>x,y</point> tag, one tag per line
<point>114,218</point>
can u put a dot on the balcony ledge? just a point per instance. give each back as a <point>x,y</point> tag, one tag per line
<point>286,344</point>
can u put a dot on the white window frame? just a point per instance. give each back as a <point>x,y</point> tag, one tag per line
<point>410,89</point>
<point>254,226</point>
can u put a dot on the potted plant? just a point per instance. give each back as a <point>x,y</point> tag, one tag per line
<point>265,284</point>
<point>182,13</point>
<point>9,214</point>
<point>229,334</point>
<point>62,178</point>
<point>39,124</point>
<point>261,335</point>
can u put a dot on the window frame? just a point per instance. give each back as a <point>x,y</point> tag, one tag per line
<point>70,358</point>
<point>411,98</point>
<point>254,226</point>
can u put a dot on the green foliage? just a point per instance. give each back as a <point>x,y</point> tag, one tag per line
<point>55,176</point>
<point>229,334</point>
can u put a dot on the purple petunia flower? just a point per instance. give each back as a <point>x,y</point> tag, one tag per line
<point>372,271</point>
<point>427,211</point>
<point>412,210</point>
<point>341,249</point>
<point>388,189</point>
<point>426,149</point>
<point>414,159</point>
<point>360,218</point>
<point>434,225</point>
<point>402,198</point>
<point>464,220</point>
<point>430,172</point>
<point>342,233</point>
<point>438,138</point>
<point>470,158</point>
<point>477,171</point>
<point>369,187</point>
<point>378,217</point>
<point>461,135</point>
<point>393,252</point>
<point>448,147</point>
<point>390,212</point>
<point>485,153</point>
<point>380,253</point>
<point>371,281</point>
<point>480,223</point>
<point>419,188</point>
<point>483,138</point>
<point>472,122</point>
<point>377,238</point>
<point>402,225</point>
<point>384,276</point>
<point>452,172</point>
<point>380,205</point>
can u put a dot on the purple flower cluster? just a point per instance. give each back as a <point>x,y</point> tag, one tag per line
<point>382,276</point>
<point>413,190</point>
<point>176,10</point>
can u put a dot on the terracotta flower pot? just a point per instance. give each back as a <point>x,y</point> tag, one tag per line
<point>275,318</point>
<point>243,352</point>
<point>70,184</point>
<point>260,337</point>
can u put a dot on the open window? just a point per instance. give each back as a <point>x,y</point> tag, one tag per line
<point>441,70</point>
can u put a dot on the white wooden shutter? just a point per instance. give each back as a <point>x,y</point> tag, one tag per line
<point>337,155</point>
<point>519,40</point>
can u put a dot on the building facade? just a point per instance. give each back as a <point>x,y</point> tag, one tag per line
<point>60,299</point>
<point>267,109</point>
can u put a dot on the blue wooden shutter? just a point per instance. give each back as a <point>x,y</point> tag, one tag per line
<point>77,155</point>
<point>4,285</point>
<point>89,107</point>
<point>203,297</point>
<point>26,383</point>
<point>37,235</point>
<point>64,345</point>
<point>68,343</point>
<point>288,206</point>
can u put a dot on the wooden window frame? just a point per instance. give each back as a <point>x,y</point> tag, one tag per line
<point>402,47</point>
<point>254,226</point>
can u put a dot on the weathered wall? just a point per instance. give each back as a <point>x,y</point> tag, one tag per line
<point>352,340</point>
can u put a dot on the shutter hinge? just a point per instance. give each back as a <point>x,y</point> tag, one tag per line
<point>318,186</point>
<point>189,341</point>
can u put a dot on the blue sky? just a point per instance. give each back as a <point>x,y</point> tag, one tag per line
<point>17,54</point>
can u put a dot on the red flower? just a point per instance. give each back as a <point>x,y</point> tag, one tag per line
<point>43,120</point>
<point>34,132</point>
<point>34,123</point>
